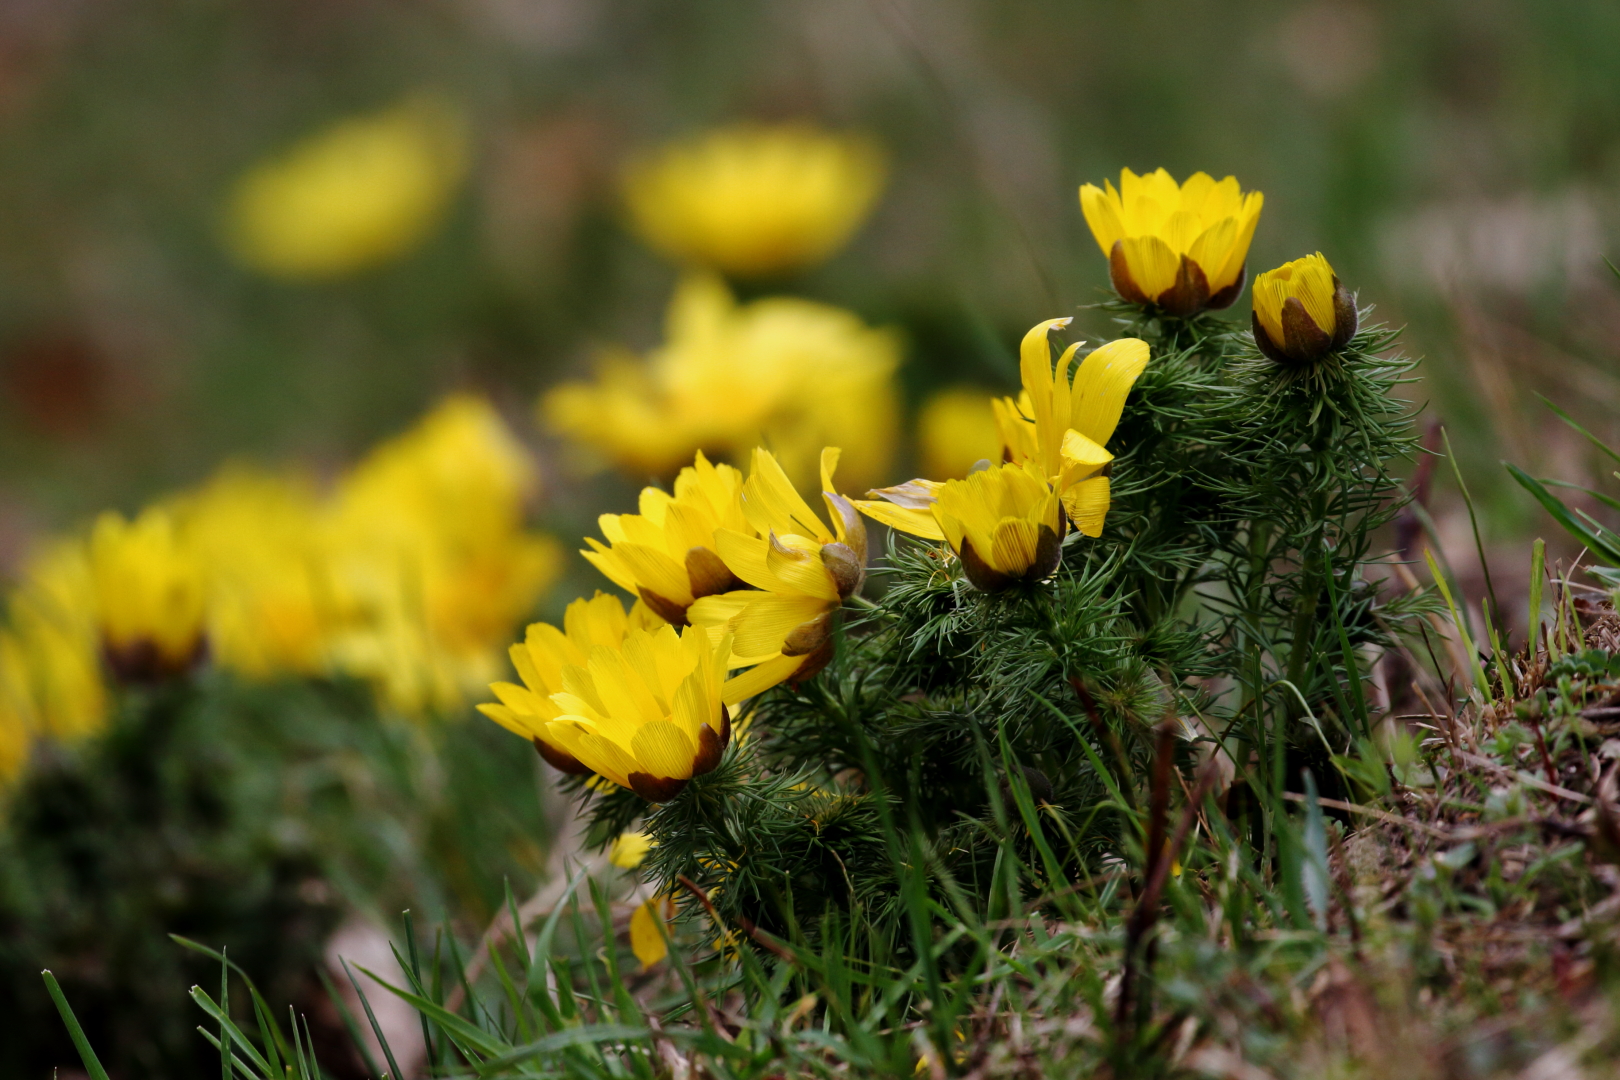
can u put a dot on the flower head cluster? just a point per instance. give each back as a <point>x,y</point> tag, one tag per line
<point>410,574</point>
<point>1180,247</point>
<point>361,193</point>
<point>790,373</point>
<point>754,200</point>
<point>731,574</point>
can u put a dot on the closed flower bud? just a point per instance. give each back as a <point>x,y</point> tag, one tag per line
<point>1302,311</point>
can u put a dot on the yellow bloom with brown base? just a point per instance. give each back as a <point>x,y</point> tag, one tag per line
<point>150,596</point>
<point>1006,522</point>
<point>359,194</point>
<point>1302,311</point>
<point>1000,519</point>
<point>789,373</point>
<point>667,554</point>
<point>1058,427</point>
<point>754,200</point>
<point>1180,247</point>
<point>801,572</point>
<point>648,714</point>
<point>542,657</point>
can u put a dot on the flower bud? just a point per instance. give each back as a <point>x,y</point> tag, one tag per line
<point>1302,311</point>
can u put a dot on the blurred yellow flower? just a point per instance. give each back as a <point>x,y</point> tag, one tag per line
<point>16,707</point>
<point>801,573</point>
<point>150,598</point>
<point>787,373</point>
<point>258,537</point>
<point>628,849</point>
<point>1302,311</point>
<point>428,560</point>
<point>358,194</point>
<point>648,714</point>
<point>956,430</point>
<point>58,643</point>
<point>1006,523</point>
<point>650,929</point>
<point>667,554</point>
<point>544,655</point>
<point>1181,247</point>
<point>753,200</point>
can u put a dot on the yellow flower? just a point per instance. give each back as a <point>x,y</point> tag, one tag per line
<point>648,714</point>
<point>666,554</point>
<point>1006,522</point>
<point>629,849</point>
<point>541,659</point>
<point>257,537</point>
<point>646,941</point>
<point>789,373</point>
<point>1057,429</point>
<point>16,731</point>
<point>1064,424</point>
<point>752,200</point>
<point>1302,311</point>
<point>956,429</point>
<point>359,194</point>
<point>1181,247</point>
<point>801,573</point>
<point>428,560</point>
<point>56,684</point>
<point>149,596</point>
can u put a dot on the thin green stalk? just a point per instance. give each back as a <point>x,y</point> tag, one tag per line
<point>1538,565</point>
<point>1479,545</point>
<point>1474,667</point>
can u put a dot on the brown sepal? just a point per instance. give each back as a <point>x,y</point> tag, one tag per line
<point>1345,316</point>
<point>847,567</point>
<point>1224,298</point>
<point>812,664</point>
<point>708,574</point>
<point>1048,554</point>
<point>561,760</point>
<point>656,789</point>
<point>980,573</point>
<point>668,610</point>
<point>1120,274</point>
<point>1263,342</point>
<point>1303,340</point>
<point>144,664</point>
<point>1189,295</point>
<point>807,637</point>
<point>711,744</point>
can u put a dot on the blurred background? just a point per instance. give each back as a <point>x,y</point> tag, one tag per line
<point>163,312</point>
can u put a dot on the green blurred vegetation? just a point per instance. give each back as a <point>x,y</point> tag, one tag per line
<point>254,818</point>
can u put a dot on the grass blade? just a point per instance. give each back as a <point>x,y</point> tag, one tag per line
<point>92,1064</point>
